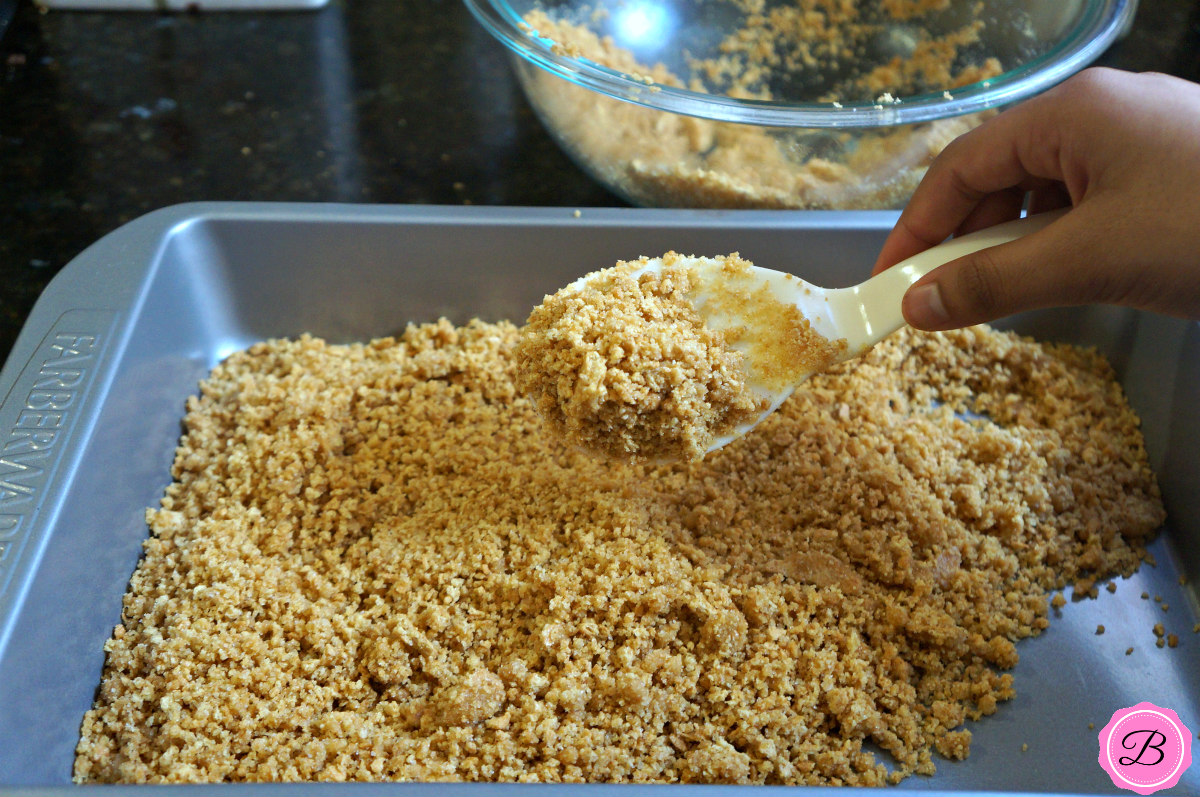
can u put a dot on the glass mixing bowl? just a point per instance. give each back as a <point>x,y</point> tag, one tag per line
<point>822,104</point>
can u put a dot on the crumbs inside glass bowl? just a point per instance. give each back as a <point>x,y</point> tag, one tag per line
<point>872,53</point>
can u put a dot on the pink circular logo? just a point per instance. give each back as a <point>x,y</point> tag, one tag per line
<point>1145,748</point>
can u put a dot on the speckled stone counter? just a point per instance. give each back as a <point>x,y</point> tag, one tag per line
<point>106,116</point>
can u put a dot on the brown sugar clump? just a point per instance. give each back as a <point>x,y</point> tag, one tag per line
<point>471,701</point>
<point>625,366</point>
<point>375,564</point>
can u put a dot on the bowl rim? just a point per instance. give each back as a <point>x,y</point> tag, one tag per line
<point>1100,24</point>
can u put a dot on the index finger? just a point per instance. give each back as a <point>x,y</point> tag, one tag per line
<point>1019,148</point>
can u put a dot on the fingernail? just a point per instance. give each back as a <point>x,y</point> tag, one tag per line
<point>924,309</point>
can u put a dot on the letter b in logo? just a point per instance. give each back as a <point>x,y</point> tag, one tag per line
<point>1154,741</point>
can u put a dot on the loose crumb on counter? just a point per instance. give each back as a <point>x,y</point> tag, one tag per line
<point>375,563</point>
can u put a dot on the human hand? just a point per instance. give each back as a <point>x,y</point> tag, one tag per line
<point>1121,149</point>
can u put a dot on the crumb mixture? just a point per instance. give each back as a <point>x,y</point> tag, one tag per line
<point>660,158</point>
<point>658,360</point>
<point>782,348</point>
<point>624,365</point>
<point>374,563</point>
<point>845,50</point>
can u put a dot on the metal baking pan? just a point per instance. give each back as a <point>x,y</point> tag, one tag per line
<point>122,335</point>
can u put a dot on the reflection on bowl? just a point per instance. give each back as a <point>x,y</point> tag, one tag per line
<point>783,103</point>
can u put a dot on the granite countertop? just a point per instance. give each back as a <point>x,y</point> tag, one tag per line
<point>105,116</point>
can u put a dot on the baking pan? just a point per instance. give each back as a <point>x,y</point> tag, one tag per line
<point>123,334</point>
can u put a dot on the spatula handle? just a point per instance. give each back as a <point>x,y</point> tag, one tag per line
<point>878,299</point>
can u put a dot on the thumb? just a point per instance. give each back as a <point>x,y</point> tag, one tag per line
<point>1051,267</point>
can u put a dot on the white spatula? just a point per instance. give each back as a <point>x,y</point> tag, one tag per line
<point>861,315</point>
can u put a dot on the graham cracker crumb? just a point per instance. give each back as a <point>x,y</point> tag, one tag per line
<point>623,364</point>
<point>659,158</point>
<point>375,563</point>
<point>955,745</point>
